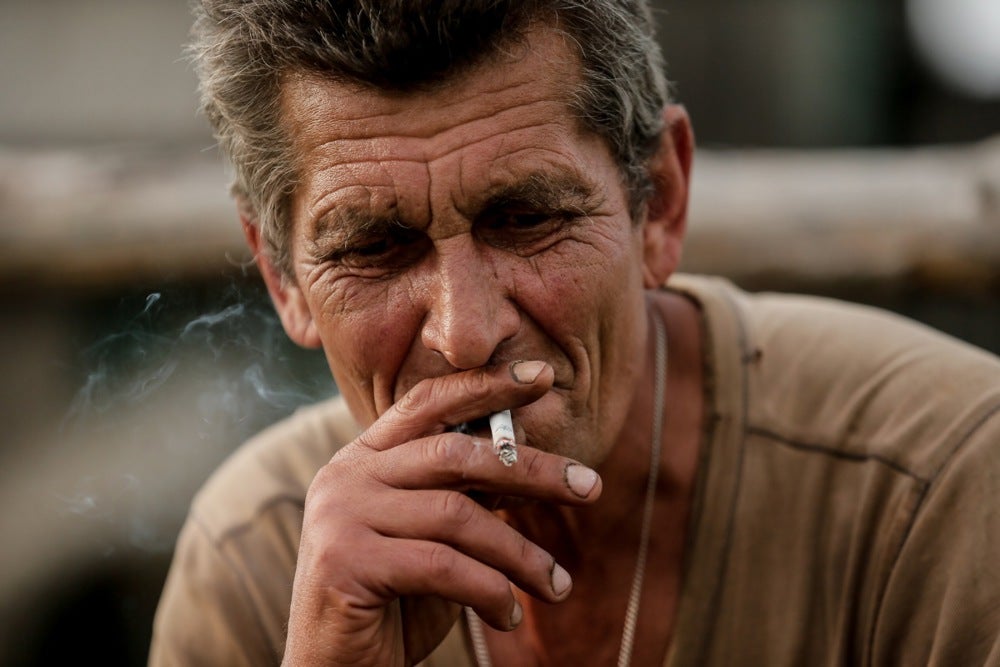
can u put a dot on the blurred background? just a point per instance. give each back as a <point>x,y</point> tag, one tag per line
<point>850,148</point>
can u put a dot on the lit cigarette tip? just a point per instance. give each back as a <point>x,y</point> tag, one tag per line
<point>502,429</point>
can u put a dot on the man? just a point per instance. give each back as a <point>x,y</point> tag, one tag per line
<point>474,207</point>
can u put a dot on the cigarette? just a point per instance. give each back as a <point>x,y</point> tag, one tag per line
<point>502,429</point>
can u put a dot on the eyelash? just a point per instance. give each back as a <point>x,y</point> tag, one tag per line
<point>522,232</point>
<point>395,249</point>
<point>514,231</point>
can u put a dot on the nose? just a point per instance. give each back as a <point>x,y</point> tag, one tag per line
<point>469,312</point>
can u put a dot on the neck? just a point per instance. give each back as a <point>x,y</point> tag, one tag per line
<point>568,532</point>
<point>626,468</point>
<point>599,544</point>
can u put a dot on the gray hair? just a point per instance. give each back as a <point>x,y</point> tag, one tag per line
<point>243,49</point>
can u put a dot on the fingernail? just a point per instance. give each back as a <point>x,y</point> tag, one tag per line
<point>561,581</point>
<point>516,615</point>
<point>580,479</point>
<point>526,372</point>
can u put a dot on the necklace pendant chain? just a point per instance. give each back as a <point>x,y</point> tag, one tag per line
<point>659,399</point>
<point>482,654</point>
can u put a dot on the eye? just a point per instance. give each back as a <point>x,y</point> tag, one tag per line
<point>373,250</point>
<point>524,231</point>
<point>387,252</point>
<point>525,220</point>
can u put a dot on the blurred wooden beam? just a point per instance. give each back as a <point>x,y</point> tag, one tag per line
<point>105,216</point>
<point>102,217</point>
<point>930,215</point>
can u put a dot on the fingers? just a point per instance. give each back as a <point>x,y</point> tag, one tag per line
<point>452,518</point>
<point>363,568</point>
<point>461,462</point>
<point>388,516</point>
<point>397,523</point>
<point>436,404</point>
<point>428,568</point>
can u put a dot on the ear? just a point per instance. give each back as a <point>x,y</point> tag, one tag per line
<point>666,212</point>
<point>288,299</point>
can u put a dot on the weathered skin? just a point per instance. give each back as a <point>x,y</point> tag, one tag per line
<point>438,237</point>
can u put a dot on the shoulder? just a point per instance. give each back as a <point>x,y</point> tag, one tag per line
<point>276,466</point>
<point>861,451</point>
<point>852,380</point>
<point>227,594</point>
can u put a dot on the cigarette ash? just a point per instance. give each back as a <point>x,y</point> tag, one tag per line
<point>166,396</point>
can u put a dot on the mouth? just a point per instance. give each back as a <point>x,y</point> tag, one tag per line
<point>501,433</point>
<point>479,427</point>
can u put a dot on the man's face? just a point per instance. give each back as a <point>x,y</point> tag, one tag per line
<point>474,224</point>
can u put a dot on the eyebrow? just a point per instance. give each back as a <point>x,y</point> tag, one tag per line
<point>346,223</point>
<point>540,191</point>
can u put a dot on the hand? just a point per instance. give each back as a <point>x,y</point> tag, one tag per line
<point>392,546</point>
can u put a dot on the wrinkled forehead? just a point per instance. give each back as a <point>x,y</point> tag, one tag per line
<point>542,62</point>
<point>504,127</point>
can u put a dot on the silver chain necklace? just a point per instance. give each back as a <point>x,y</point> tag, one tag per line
<point>482,653</point>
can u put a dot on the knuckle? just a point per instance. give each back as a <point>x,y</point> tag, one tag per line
<point>337,476</point>
<point>440,562</point>
<point>473,386</point>
<point>419,396</point>
<point>329,554</point>
<point>322,485</point>
<point>365,441</point>
<point>342,458</point>
<point>534,560</point>
<point>331,548</point>
<point>534,463</point>
<point>340,494</point>
<point>496,590</point>
<point>447,452</point>
<point>477,387</point>
<point>458,508</point>
<point>440,451</point>
<point>527,551</point>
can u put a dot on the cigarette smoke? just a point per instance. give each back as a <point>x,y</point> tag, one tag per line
<point>166,396</point>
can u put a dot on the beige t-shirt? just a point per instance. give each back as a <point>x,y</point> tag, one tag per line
<point>847,510</point>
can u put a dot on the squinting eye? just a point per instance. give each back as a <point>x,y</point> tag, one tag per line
<point>372,249</point>
<point>525,221</point>
<point>388,253</point>
<point>363,253</point>
<point>524,232</point>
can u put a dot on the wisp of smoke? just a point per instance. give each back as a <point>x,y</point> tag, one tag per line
<point>172,385</point>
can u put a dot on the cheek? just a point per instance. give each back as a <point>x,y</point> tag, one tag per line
<point>593,308</point>
<point>583,283</point>
<point>365,348</point>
